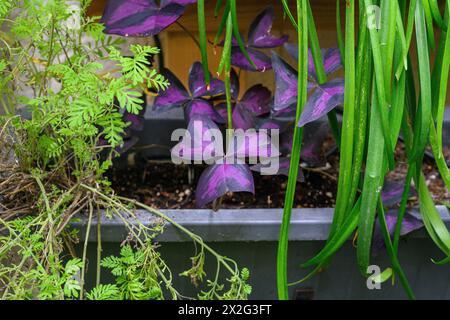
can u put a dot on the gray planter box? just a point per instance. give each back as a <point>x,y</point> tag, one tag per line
<point>250,237</point>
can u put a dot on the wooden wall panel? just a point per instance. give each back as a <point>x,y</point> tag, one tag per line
<point>180,51</point>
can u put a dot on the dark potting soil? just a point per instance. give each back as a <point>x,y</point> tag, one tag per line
<point>165,185</point>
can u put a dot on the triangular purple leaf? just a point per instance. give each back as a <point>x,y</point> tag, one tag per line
<point>285,83</point>
<point>139,17</point>
<point>325,98</point>
<point>174,96</point>
<point>198,86</point>
<point>331,59</point>
<point>219,179</point>
<point>284,114</point>
<point>257,100</point>
<point>242,118</point>
<point>261,61</point>
<point>260,36</point>
<point>200,107</point>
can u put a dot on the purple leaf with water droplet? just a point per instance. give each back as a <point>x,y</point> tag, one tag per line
<point>261,61</point>
<point>409,224</point>
<point>325,98</point>
<point>139,17</point>
<point>200,107</point>
<point>257,100</point>
<point>219,179</point>
<point>260,36</point>
<point>174,96</point>
<point>198,86</point>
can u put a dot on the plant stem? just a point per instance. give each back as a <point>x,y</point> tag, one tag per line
<point>99,247</point>
<point>302,93</point>
<point>202,39</point>
<point>85,246</point>
<point>346,161</point>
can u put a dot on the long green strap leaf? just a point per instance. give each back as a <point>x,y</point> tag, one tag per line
<point>338,239</point>
<point>429,23</point>
<point>443,84</point>
<point>320,71</point>
<point>202,39</point>
<point>289,13</point>
<point>437,14</point>
<point>422,123</point>
<point>373,181</point>
<point>302,94</point>
<point>222,24</point>
<point>381,89</point>
<point>217,8</point>
<point>348,122</point>
<point>403,63</point>
<point>394,260</point>
<point>340,37</point>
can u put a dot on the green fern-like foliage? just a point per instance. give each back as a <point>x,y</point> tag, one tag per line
<point>104,292</point>
<point>136,273</point>
<point>6,6</point>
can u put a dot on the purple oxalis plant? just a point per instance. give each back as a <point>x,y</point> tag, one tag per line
<point>259,37</point>
<point>219,179</point>
<point>325,97</point>
<point>195,103</point>
<point>141,17</point>
<point>252,110</point>
<point>149,17</point>
<point>255,102</point>
<point>222,176</point>
<point>203,117</point>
